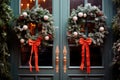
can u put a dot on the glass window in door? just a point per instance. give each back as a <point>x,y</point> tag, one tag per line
<point>75,51</point>
<point>27,4</point>
<point>46,4</point>
<point>97,3</point>
<point>45,52</point>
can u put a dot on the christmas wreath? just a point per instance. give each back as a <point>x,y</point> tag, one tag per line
<point>86,26</point>
<point>34,28</point>
<point>88,21</point>
<point>33,24</point>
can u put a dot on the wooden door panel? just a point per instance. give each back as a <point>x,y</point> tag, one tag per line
<point>76,78</point>
<point>45,78</point>
<point>96,77</point>
<point>26,78</point>
<point>35,77</point>
<point>86,77</point>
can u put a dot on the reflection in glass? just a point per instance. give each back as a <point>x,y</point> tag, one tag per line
<point>27,4</point>
<point>75,3</point>
<point>44,56</point>
<point>46,4</point>
<point>75,56</point>
<point>97,3</point>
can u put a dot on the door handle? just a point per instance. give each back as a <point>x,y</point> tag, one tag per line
<point>65,59</point>
<point>57,59</point>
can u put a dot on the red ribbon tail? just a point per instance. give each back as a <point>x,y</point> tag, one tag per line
<point>36,62</point>
<point>81,66</point>
<point>82,61</point>
<point>88,59</point>
<point>30,67</point>
<point>30,62</point>
<point>88,70</point>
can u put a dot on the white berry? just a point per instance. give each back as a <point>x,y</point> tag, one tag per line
<point>85,15</point>
<point>96,19</point>
<point>25,27</point>
<point>46,17</point>
<point>75,18</point>
<point>24,14</point>
<point>94,7</point>
<point>80,14</point>
<point>46,37</point>
<point>101,29</point>
<point>75,33</point>
<point>22,40</point>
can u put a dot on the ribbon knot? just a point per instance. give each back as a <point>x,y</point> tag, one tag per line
<point>85,48</point>
<point>34,49</point>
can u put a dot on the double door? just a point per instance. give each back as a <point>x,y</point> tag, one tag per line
<point>61,60</point>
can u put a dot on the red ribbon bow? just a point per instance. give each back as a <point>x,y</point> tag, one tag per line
<point>34,49</point>
<point>85,48</point>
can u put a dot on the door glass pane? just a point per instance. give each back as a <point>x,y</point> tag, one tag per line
<point>27,4</point>
<point>97,3</point>
<point>45,52</point>
<point>75,3</point>
<point>46,4</point>
<point>75,56</point>
<point>44,56</point>
<point>75,51</point>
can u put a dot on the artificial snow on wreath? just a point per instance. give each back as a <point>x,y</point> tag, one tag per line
<point>87,21</point>
<point>86,26</point>
<point>34,28</point>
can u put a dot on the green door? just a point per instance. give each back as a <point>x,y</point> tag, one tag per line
<point>61,60</point>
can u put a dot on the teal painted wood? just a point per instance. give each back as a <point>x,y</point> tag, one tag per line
<point>56,16</point>
<point>14,56</point>
<point>61,12</point>
<point>65,12</point>
<point>108,10</point>
<point>45,71</point>
<point>15,6</point>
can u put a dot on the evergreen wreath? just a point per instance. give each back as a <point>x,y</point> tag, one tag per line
<point>33,24</point>
<point>87,21</point>
<point>116,50</point>
<point>116,45</point>
<point>116,32</point>
<point>116,24</point>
